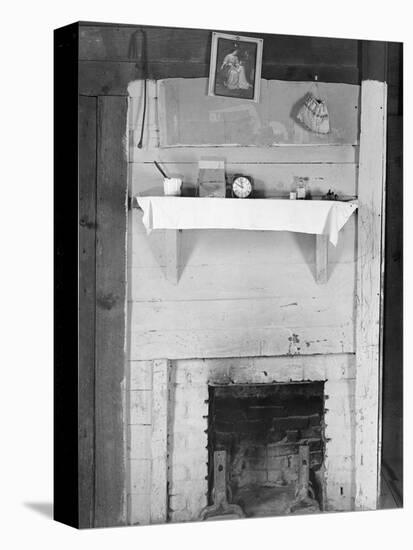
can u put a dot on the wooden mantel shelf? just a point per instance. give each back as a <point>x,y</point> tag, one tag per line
<point>174,214</point>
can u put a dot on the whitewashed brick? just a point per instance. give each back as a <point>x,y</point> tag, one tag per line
<point>188,469</point>
<point>177,502</point>
<point>140,375</point>
<point>339,495</point>
<point>139,509</point>
<point>181,516</point>
<point>190,374</point>
<point>140,407</point>
<point>188,409</point>
<point>140,441</point>
<point>140,476</point>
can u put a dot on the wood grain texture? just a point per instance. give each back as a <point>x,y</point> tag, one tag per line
<point>293,154</point>
<point>87,297</point>
<point>395,78</point>
<point>107,66</point>
<point>393,301</point>
<point>111,219</point>
<point>369,289</point>
<point>165,44</point>
<point>260,341</point>
<point>113,77</point>
<point>238,282</point>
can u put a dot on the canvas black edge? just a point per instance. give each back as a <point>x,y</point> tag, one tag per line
<point>66,492</point>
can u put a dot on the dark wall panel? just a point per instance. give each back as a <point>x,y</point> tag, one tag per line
<point>112,56</point>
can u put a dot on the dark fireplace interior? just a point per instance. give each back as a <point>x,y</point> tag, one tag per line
<point>273,440</point>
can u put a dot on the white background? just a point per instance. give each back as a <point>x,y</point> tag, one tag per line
<point>26,48</point>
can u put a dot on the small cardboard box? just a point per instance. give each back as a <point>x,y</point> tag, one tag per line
<point>211,178</point>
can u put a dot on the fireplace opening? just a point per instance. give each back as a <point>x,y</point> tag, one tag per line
<point>268,441</point>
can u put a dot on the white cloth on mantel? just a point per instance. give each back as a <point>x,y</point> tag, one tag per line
<point>301,216</point>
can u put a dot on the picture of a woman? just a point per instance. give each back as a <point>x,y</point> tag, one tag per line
<point>235,67</point>
<point>234,71</point>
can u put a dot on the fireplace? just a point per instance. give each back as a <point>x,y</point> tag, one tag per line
<point>265,430</point>
<point>278,426</point>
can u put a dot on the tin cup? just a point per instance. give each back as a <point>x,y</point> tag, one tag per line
<point>172,187</point>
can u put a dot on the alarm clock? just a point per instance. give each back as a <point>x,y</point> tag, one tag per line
<point>242,187</point>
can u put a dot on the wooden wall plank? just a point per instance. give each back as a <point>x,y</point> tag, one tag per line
<point>239,282</point>
<point>236,282</point>
<point>293,154</point>
<point>392,416</point>
<point>113,77</point>
<point>179,344</point>
<point>395,78</point>
<point>111,219</point>
<point>106,78</point>
<point>105,53</point>
<point>87,297</point>
<point>238,314</point>
<point>393,302</point>
<point>369,288</point>
<point>183,45</point>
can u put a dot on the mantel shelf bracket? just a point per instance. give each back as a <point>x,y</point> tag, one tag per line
<point>173,248</point>
<point>172,253</point>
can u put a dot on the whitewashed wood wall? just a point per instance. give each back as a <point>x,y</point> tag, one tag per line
<point>242,293</point>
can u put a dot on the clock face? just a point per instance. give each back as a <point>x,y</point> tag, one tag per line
<point>242,187</point>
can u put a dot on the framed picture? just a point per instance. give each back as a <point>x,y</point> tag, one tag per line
<point>235,66</point>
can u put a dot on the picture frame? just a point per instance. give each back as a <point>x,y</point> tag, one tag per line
<point>235,66</point>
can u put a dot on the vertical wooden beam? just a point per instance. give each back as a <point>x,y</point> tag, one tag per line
<point>159,473</point>
<point>87,259</point>
<point>111,219</point>
<point>172,252</point>
<point>321,259</point>
<point>369,285</point>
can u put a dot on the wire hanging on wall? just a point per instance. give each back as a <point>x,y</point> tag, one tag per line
<point>137,50</point>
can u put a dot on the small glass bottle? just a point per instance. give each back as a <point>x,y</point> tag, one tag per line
<point>301,188</point>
